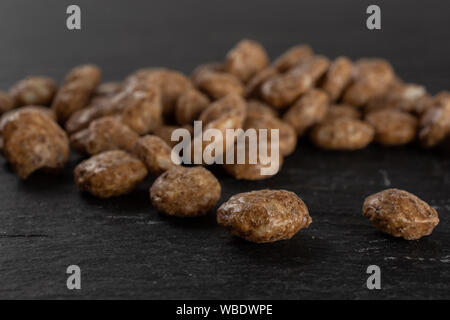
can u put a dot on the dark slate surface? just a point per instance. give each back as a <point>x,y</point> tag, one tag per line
<point>127,250</point>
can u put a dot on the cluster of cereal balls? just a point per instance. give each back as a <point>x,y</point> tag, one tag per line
<point>125,128</point>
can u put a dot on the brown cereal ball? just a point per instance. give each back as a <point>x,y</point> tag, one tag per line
<point>372,78</point>
<point>6,102</point>
<point>264,215</point>
<point>172,85</point>
<point>253,167</point>
<point>100,107</point>
<point>218,84</point>
<point>229,105</point>
<point>108,89</point>
<point>287,134</point>
<point>110,174</point>
<point>246,59</point>
<point>400,96</point>
<point>69,99</point>
<point>206,67</point>
<point>76,91</point>
<point>283,90</point>
<point>310,109</point>
<point>252,172</point>
<point>375,67</point>
<point>441,99</point>
<point>293,57</point>
<point>400,214</point>
<point>393,127</point>
<point>34,90</point>
<point>104,134</point>
<point>422,104</point>
<point>342,111</point>
<point>435,125</point>
<point>256,108</point>
<point>227,113</point>
<point>185,192</point>
<point>90,74</point>
<point>155,153</point>
<point>280,91</point>
<point>428,102</point>
<point>143,111</point>
<point>165,133</point>
<point>33,141</point>
<point>11,115</point>
<point>141,75</point>
<point>316,66</point>
<point>338,77</point>
<point>253,86</point>
<point>342,134</point>
<point>190,105</point>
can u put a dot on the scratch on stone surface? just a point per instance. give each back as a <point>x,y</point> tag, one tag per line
<point>367,249</point>
<point>381,240</point>
<point>125,217</point>
<point>5,235</point>
<point>141,218</point>
<point>386,180</point>
<point>443,259</point>
<point>151,222</point>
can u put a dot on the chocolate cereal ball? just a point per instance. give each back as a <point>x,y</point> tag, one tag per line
<point>264,215</point>
<point>185,192</point>
<point>400,214</point>
<point>110,174</point>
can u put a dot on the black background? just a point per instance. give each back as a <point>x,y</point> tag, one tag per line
<point>127,250</point>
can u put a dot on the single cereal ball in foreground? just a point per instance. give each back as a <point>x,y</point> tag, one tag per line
<point>264,215</point>
<point>400,214</point>
<point>110,174</point>
<point>185,192</point>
